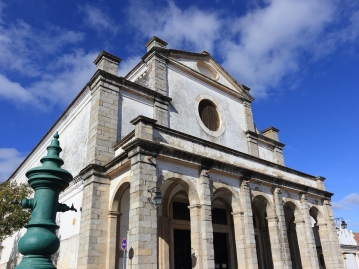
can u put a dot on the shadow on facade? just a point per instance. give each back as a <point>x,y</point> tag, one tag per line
<point>15,254</point>
<point>55,257</point>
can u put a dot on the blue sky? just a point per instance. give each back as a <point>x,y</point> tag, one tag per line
<point>299,57</point>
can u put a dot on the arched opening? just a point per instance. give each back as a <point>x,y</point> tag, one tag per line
<point>260,223</point>
<point>290,220</point>
<point>223,231</point>
<point>175,235</point>
<point>315,215</point>
<point>118,227</point>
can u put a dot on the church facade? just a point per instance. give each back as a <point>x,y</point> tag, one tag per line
<point>180,128</point>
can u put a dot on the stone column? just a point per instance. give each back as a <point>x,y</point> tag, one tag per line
<point>206,220</point>
<point>332,234</point>
<point>244,231</point>
<point>282,229</point>
<point>252,139</point>
<point>112,244</point>
<point>312,256</point>
<point>101,139</point>
<point>164,243</point>
<point>93,234</point>
<point>304,247</point>
<point>103,120</point>
<point>275,243</point>
<point>196,238</point>
<point>143,215</point>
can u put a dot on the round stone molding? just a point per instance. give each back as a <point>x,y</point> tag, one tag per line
<point>222,127</point>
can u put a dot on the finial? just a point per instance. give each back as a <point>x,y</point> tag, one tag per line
<point>56,135</point>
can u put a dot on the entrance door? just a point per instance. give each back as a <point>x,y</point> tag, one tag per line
<point>220,250</point>
<point>182,249</point>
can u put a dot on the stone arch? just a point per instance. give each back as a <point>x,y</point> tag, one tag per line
<point>295,227</point>
<point>264,199</point>
<point>232,195</point>
<point>172,185</point>
<point>224,241</point>
<point>114,217</point>
<point>263,212</point>
<point>316,214</point>
<point>118,192</point>
<point>320,233</point>
<point>184,181</point>
<point>295,207</point>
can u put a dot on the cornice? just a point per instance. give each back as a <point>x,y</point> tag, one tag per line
<point>120,82</point>
<point>265,139</point>
<point>155,149</point>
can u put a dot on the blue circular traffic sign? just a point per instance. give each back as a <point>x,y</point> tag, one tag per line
<point>124,244</point>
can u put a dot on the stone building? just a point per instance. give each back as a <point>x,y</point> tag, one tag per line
<point>180,124</point>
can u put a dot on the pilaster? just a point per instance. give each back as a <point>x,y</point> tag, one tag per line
<point>244,231</point>
<point>196,237</point>
<point>160,112</point>
<point>312,256</point>
<point>94,219</point>
<point>206,220</point>
<point>164,243</point>
<point>143,215</point>
<point>103,122</point>
<point>332,235</point>
<point>282,229</point>
<point>112,249</point>
<point>251,139</point>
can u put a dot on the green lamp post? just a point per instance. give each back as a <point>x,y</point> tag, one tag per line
<point>48,180</point>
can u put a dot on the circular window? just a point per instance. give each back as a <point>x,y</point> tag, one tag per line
<point>209,115</point>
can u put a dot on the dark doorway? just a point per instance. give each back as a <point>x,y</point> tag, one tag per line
<point>182,249</point>
<point>220,250</point>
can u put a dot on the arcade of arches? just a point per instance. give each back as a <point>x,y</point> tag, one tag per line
<point>220,227</point>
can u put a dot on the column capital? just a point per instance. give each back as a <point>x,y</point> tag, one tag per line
<point>194,206</point>
<point>114,214</point>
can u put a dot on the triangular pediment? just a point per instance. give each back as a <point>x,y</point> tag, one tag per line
<point>202,65</point>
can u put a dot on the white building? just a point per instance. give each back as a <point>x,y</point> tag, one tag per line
<point>179,123</point>
<point>349,247</point>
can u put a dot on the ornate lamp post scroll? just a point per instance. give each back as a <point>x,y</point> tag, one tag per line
<point>48,180</point>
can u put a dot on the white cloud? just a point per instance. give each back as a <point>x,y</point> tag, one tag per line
<point>22,48</point>
<point>348,202</point>
<point>261,48</point>
<point>10,159</point>
<point>271,39</point>
<point>98,20</point>
<point>30,53</point>
<point>190,28</point>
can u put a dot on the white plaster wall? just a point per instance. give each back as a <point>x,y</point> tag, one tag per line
<point>231,181</point>
<point>265,153</point>
<point>183,89</point>
<point>132,106</point>
<point>73,131</point>
<point>351,262</point>
<point>199,149</point>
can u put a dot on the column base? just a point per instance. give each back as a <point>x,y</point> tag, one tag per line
<point>36,261</point>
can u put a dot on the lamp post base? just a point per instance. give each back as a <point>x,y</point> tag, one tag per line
<point>36,262</point>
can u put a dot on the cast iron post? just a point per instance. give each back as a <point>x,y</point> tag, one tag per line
<point>48,180</point>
